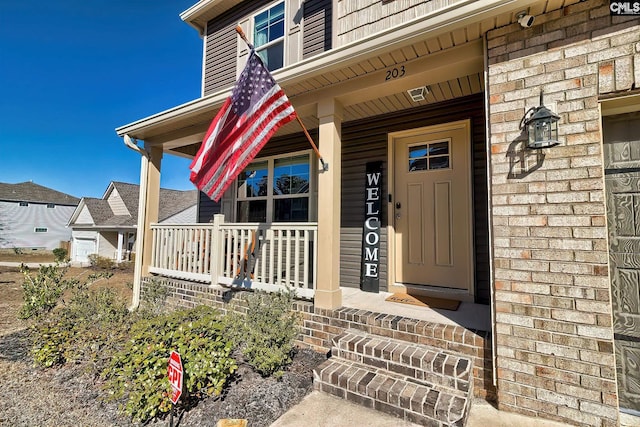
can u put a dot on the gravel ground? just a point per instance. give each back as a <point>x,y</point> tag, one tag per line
<point>68,396</point>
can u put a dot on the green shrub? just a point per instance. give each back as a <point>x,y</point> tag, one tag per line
<point>266,333</point>
<point>137,375</point>
<point>60,254</point>
<point>90,328</point>
<point>155,295</point>
<point>100,262</point>
<point>43,290</point>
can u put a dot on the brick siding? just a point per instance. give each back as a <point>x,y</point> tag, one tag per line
<point>553,305</point>
<point>320,326</point>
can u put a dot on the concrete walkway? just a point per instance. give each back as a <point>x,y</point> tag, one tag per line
<point>323,410</point>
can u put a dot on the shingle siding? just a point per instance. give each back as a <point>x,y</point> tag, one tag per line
<point>359,19</point>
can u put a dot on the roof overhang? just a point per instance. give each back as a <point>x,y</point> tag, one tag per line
<point>186,123</point>
<point>200,13</point>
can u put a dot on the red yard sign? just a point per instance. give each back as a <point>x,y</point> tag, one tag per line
<point>175,376</point>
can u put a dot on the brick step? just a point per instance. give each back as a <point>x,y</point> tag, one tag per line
<point>416,361</point>
<point>411,400</point>
<point>421,384</point>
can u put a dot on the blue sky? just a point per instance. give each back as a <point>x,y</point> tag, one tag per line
<point>71,71</point>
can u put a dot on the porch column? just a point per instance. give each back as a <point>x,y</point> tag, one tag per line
<point>120,242</point>
<point>328,294</point>
<point>148,206</point>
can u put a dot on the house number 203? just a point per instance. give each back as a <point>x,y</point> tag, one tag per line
<point>395,73</point>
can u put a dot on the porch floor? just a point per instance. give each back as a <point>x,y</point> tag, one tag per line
<point>468,315</point>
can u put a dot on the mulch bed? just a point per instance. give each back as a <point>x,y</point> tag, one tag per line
<point>69,396</point>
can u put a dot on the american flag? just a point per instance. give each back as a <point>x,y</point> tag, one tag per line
<point>256,109</point>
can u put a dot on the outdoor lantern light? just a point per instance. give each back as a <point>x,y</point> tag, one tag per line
<point>541,125</point>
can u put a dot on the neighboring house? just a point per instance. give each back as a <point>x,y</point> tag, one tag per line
<point>107,226</point>
<point>541,245</point>
<point>33,216</point>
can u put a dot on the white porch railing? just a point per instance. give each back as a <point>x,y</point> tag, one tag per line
<point>249,255</point>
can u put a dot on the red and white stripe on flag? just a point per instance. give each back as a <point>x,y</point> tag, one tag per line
<point>256,109</point>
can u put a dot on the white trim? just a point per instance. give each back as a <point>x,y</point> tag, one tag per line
<point>271,197</point>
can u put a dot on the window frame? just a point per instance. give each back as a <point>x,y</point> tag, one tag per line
<point>283,39</point>
<point>270,197</point>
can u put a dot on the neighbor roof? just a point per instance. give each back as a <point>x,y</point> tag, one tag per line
<point>34,193</point>
<point>172,202</point>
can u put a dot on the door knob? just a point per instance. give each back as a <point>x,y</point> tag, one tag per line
<point>398,205</point>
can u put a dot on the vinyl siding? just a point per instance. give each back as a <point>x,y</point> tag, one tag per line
<point>84,217</point>
<point>317,31</point>
<point>222,46</point>
<point>207,208</point>
<point>108,244</point>
<point>366,140</point>
<point>221,60</point>
<point>18,223</point>
<point>117,204</point>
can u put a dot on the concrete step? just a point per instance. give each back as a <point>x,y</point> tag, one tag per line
<point>414,382</point>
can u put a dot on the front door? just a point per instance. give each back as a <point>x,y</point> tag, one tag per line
<point>622,183</point>
<point>432,206</point>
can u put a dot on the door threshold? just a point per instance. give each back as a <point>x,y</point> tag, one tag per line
<point>433,291</point>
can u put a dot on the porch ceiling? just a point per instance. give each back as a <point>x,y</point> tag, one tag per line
<point>446,58</point>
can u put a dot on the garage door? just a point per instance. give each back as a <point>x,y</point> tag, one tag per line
<point>84,248</point>
<point>622,178</point>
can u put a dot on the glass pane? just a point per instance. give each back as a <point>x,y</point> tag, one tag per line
<point>417,151</point>
<point>276,31</point>
<point>252,182</point>
<point>439,162</point>
<point>439,148</point>
<point>277,11</point>
<point>291,210</point>
<point>273,56</point>
<point>291,175</point>
<point>261,37</point>
<point>252,211</point>
<point>417,165</point>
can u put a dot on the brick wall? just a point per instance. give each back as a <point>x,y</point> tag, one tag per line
<point>319,326</point>
<point>553,306</point>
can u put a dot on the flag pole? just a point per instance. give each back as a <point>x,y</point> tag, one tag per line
<point>325,166</point>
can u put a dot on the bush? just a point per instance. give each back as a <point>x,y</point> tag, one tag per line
<point>100,262</point>
<point>43,290</point>
<point>60,254</point>
<point>89,329</point>
<point>138,373</point>
<point>267,332</point>
<point>155,295</point>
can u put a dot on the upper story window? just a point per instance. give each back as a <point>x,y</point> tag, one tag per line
<point>268,36</point>
<point>41,229</point>
<point>24,203</point>
<point>276,189</point>
<point>51,205</point>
